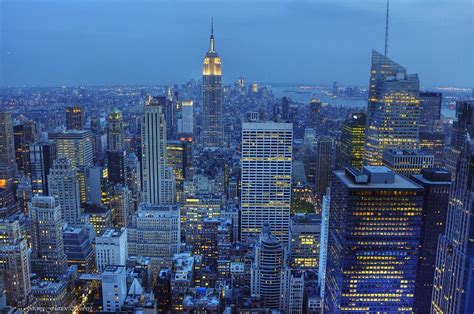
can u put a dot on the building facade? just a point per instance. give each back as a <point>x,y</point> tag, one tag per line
<point>436,183</point>
<point>47,245</point>
<point>453,285</point>
<point>266,168</point>
<point>393,110</point>
<point>158,180</point>
<point>374,233</point>
<point>63,185</point>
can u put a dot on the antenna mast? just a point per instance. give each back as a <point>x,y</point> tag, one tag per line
<point>386,29</point>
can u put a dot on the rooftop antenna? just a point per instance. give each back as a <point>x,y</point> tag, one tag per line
<point>211,48</point>
<point>386,29</point>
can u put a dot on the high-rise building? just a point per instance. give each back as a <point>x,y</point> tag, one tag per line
<point>324,163</point>
<point>155,232</point>
<point>285,108</point>
<point>74,118</point>
<point>463,125</point>
<point>78,249</point>
<point>453,285</point>
<point>374,234</point>
<point>115,142</point>
<point>14,264</point>
<point>63,185</point>
<point>305,236</point>
<point>323,247</point>
<point>393,110</point>
<point>121,205</point>
<point>42,155</point>
<point>267,268</point>
<point>266,167</point>
<point>114,288</point>
<point>77,146</point>
<point>8,167</point>
<point>115,147</point>
<point>111,248</point>
<point>186,121</point>
<point>158,180</point>
<point>432,141</point>
<point>212,125</point>
<point>315,117</point>
<point>352,142</point>
<point>47,253</point>
<point>292,291</point>
<point>407,161</point>
<point>436,183</point>
<point>430,108</point>
<point>23,135</point>
<point>24,193</point>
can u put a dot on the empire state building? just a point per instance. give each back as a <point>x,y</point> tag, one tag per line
<point>212,126</point>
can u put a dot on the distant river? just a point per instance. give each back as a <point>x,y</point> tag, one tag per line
<point>304,97</point>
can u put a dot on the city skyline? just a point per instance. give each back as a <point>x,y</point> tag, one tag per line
<point>235,195</point>
<point>119,48</point>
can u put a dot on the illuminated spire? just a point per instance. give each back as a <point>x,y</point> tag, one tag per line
<point>386,29</point>
<point>211,48</point>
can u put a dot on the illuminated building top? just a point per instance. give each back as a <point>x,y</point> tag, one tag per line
<point>212,61</point>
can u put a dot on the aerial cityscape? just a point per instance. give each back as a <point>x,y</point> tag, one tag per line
<point>223,194</point>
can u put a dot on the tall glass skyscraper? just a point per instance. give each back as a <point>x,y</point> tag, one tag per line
<point>374,234</point>
<point>453,285</point>
<point>393,110</point>
<point>212,125</point>
<point>266,167</point>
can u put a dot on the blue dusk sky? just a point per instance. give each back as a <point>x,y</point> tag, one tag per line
<point>116,42</point>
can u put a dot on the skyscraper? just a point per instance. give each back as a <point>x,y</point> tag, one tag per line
<point>374,234</point>
<point>430,108</point>
<point>436,183</point>
<point>47,244</point>
<point>212,125</point>
<point>74,118</point>
<point>315,117</point>
<point>8,167</point>
<point>352,142</point>
<point>121,205</point>
<point>158,179</point>
<point>63,184</point>
<point>266,167</point>
<point>285,108</point>
<point>24,134</point>
<point>186,121</point>
<point>77,146</point>
<point>463,125</point>
<point>115,141</point>
<point>267,268</point>
<point>393,110</point>
<point>42,155</point>
<point>453,285</point>
<point>14,264</point>
<point>115,147</point>
<point>324,163</point>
